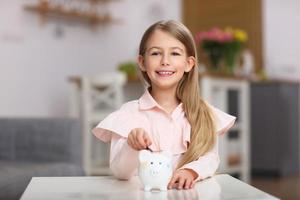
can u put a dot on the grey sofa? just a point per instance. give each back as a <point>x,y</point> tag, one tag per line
<point>37,147</point>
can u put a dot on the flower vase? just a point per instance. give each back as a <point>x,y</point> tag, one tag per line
<point>214,53</point>
<point>231,54</point>
<point>231,63</point>
<point>215,58</point>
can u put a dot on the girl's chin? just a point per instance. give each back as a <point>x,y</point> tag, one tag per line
<point>165,86</point>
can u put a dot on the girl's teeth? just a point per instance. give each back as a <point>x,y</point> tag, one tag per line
<point>165,73</point>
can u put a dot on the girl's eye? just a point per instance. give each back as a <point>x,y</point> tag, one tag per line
<point>175,54</point>
<point>155,53</point>
<point>151,163</point>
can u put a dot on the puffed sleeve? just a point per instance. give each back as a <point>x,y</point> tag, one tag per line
<point>115,129</point>
<point>223,120</point>
<point>117,122</point>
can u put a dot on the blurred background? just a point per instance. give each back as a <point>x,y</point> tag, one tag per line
<point>65,64</point>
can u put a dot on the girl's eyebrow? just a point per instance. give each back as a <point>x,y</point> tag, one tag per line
<point>155,47</point>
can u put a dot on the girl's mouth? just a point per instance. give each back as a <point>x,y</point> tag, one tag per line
<point>165,73</point>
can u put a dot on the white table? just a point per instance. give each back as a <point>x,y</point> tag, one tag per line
<point>107,187</point>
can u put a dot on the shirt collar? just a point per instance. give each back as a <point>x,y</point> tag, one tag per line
<point>147,102</point>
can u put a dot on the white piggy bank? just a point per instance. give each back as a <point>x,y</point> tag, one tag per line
<point>155,169</point>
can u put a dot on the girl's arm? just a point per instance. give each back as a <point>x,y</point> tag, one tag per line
<point>124,152</point>
<point>123,158</point>
<point>206,165</point>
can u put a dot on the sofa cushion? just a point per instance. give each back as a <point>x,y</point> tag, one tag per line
<point>7,144</point>
<point>48,139</point>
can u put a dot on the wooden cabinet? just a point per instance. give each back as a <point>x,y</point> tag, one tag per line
<point>275,117</point>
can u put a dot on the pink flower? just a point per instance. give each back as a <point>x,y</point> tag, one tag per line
<point>226,37</point>
<point>214,34</point>
<point>200,37</point>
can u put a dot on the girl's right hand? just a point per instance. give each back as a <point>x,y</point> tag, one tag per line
<point>138,139</point>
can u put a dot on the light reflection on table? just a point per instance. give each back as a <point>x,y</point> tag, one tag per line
<point>106,187</point>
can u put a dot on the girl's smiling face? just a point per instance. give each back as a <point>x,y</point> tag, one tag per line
<point>165,60</point>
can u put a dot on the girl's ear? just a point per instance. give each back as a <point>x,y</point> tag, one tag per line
<point>141,63</point>
<point>191,61</point>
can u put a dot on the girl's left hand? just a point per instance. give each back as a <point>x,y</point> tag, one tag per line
<point>183,179</point>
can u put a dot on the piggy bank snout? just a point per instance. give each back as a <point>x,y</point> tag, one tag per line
<point>154,172</point>
<point>155,169</point>
<point>158,169</point>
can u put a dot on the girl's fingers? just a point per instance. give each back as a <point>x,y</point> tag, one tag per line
<point>140,140</point>
<point>172,182</point>
<point>181,183</point>
<point>188,184</point>
<point>131,140</point>
<point>147,140</point>
<point>193,184</point>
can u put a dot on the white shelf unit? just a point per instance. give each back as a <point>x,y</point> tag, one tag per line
<point>215,90</point>
<point>92,99</point>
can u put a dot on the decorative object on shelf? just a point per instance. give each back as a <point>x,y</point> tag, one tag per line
<point>222,47</point>
<point>247,68</point>
<point>234,152</point>
<point>262,75</point>
<point>75,10</point>
<point>130,69</point>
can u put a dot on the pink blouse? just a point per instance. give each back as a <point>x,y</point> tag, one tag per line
<point>168,132</point>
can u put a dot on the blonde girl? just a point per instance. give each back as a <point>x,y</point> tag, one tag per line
<point>170,115</point>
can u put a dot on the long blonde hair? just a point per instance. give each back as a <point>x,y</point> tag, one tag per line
<point>199,115</point>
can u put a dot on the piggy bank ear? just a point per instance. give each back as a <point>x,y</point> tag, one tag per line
<point>144,155</point>
<point>166,154</point>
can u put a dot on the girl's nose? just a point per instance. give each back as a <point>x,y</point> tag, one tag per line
<point>165,60</point>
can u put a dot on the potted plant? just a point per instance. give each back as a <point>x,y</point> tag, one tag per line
<point>130,69</point>
<point>222,47</point>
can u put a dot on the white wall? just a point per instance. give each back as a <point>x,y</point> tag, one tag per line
<point>35,64</point>
<point>281,38</point>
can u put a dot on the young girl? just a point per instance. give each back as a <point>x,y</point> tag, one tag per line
<point>170,115</point>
